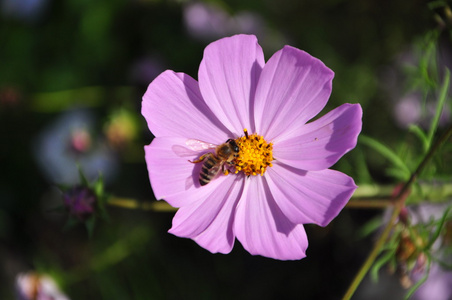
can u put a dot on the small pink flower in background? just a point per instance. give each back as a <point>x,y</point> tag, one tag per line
<point>33,286</point>
<point>69,141</point>
<point>273,101</point>
<point>209,21</point>
<point>80,140</point>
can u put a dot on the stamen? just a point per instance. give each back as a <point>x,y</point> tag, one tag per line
<point>255,154</point>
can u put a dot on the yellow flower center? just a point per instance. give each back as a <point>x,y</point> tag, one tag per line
<point>255,154</point>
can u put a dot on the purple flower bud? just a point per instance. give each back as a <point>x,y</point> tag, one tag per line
<point>80,201</point>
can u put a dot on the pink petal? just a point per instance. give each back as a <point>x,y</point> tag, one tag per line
<point>219,236</point>
<point>172,176</point>
<point>263,229</point>
<point>173,106</point>
<point>309,197</point>
<point>228,76</point>
<point>293,88</point>
<point>319,144</point>
<point>212,212</point>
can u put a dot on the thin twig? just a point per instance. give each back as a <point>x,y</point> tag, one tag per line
<point>129,203</point>
<point>377,203</point>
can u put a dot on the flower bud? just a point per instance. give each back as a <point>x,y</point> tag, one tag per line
<point>121,129</point>
<point>80,141</point>
<point>80,201</point>
<point>411,261</point>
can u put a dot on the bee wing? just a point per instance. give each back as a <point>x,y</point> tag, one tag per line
<point>192,151</point>
<point>194,147</point>
<point>197,145</point>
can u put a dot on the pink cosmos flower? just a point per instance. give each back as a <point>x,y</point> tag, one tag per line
<point>274,101</point>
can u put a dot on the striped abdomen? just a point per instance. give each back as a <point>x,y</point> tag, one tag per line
<point>210,168</point>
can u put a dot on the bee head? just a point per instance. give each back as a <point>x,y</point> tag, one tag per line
<point>233,145</point>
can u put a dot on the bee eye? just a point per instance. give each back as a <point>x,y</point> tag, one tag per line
<point>236,149</point>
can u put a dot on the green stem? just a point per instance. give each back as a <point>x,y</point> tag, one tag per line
<point>159,206</point>
<point>373,254</point>
<point>400,202</point>
<point>366,196</point>
<point>377,203</point>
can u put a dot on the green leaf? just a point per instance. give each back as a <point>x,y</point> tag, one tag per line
<point>438,229</point>
<point>90,224</point>
<point>380,263</point>
<point>398,174</point>
<point>82,176</point>
<point>61,100</point>
<point>387,153</point>
<point>361,168</point>
<point>101,210</point>
<point>99,187</point>
<point>369,227</point>
<point>421,135</point>
<point>439,107</point>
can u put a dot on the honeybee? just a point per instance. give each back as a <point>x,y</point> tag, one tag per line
<point>212,163</point>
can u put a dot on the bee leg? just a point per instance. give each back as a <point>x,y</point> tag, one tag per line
<point>199,159</point>
<point>225,171</point>
<point>229,164</point>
